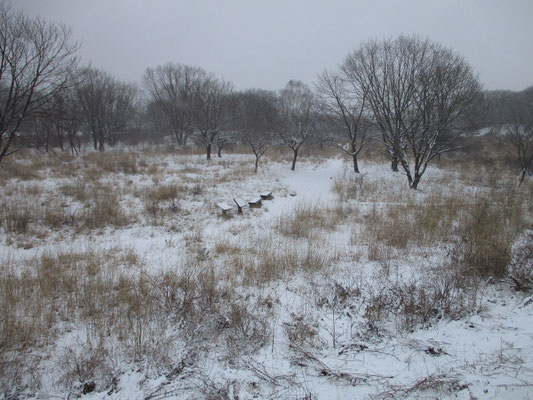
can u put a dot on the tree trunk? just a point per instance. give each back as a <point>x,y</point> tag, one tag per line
<point>47,142</point>
<point>208,151</point>
<point>72,143</point>
<point>219,153</point>
<point>294,159</point>
<point>5,144</point>
<point>60,142</point>
<point>413,183</point>
<point>522,176</point>
<point>394,163</point>
<point>95,142</point>
<point>355,164</point>
<point>178,138</point>
<point>101,144</point>
<point>256,164</point>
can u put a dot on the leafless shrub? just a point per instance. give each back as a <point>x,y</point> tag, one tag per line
<point>248,328</point>
<point>419,303</point>
<point>18,371</point>
<point>85,368</point>
<point>521,265</point>
<point>443,384</point>
<point>302,332</point>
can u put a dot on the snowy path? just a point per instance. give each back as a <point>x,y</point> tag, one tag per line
<point>313,183</point>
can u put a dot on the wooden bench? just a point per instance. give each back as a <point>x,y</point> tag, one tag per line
<point>240,204</point>
<point>255,202</point>
<point>224,207</point>
<point>266,195</point>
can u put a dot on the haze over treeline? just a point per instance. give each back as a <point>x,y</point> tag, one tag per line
<point>265,45</point>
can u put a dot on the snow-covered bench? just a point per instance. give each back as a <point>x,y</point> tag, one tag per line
<point>266,195</point>
<point>255,202</point>
<point>224,207</point>
<point>240,204</point>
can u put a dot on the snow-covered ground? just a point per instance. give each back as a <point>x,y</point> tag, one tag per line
<point>302,332</point>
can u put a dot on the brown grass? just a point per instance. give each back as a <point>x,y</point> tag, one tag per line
<point>307,220</point>
<point>160,198</point>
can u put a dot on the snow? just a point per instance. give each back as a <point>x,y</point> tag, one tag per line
<point>486,355</point>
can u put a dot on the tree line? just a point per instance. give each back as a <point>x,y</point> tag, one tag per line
<point>413,95</point>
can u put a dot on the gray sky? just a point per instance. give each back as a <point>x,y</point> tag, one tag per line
<point>266,43</point>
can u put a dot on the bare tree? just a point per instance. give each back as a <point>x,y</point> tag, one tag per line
<point>35,59</point>
<point>170,88</point>
<point>56,120</point>
<point>106,105</point>
<point>63,113</point>
<point>255,113</point>
<point>345,106</point>
<point>68,119</point>
<point>296,116</point>
<point>518,137</point>
<point>209,110</point>
<point>420,93</point>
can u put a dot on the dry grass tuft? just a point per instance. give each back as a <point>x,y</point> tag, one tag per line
<point>160,198</point>
<point>103,209</point>
<point>111,162</point>
<point>307,220</point>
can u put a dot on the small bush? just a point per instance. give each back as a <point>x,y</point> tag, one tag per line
<point>86,368</point>
<point>302,332</point>
<point>418,303</point>
<point>484,246</point>
<point>521,265</point>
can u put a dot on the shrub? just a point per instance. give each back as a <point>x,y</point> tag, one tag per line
<point>484,246</point>
<point>521,265</point>
<point>420,301</point>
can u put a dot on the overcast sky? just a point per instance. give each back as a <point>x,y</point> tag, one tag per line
<point>264,44</point>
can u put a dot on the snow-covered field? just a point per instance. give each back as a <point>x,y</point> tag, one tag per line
<point>122,279</point>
